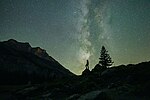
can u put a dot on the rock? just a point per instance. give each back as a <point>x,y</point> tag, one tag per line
<point>98,68</point>
<point>26,90</point>
<point>46,95</point>
<point>108,72</point>
<point>94,95</point>
<point>73,97</point>
<point>86,72</point>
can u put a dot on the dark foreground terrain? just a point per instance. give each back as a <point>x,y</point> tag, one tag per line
<point>30,74</point>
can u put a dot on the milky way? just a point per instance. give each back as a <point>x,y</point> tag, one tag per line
<point>94,30</point>
<point>73,31</point>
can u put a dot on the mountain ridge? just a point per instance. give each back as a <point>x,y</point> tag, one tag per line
<point>15,54</point>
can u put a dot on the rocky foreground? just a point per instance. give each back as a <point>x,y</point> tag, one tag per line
<point>131,82</point>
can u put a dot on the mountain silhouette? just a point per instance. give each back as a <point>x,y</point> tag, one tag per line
<point>20,64</point>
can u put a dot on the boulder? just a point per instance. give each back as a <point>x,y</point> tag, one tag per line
<point>94,95</point>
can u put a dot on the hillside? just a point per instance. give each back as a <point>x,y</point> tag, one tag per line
<point>20,64</point>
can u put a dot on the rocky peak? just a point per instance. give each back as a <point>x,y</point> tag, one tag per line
<point>41,53</point>
<point>86,72</point>
<point>26,47</point>
<point>11,43</point>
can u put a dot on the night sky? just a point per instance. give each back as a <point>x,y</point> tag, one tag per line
<point>72,31</point>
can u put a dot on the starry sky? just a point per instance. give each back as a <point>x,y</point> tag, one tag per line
<point>72,31</point>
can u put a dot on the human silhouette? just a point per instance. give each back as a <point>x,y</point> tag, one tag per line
<point>87,64</point>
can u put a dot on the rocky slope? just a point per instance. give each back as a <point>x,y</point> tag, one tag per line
<point>20,64</point>
<point>131,82</point>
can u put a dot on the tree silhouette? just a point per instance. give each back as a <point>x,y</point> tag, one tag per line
<point>105,59</point>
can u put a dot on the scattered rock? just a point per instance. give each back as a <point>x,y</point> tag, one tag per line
<point>73,97</point>
<point>95,95</point>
